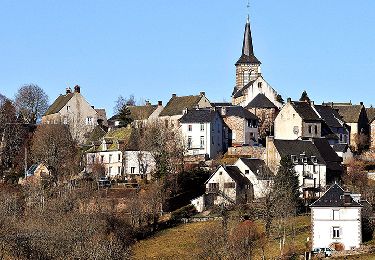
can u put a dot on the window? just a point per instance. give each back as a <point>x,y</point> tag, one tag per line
<point>189,142</point>
<point>110,158</point>
<point>132,169</point>
<point>89,120</point>
<point>102,158</point>
<point>316,129</point>
<point>260,86</point>
<point>202,127</point>
<point>166,123</point>
<point>93,158</point>
<point>119,157</point>
<point>65,120</point>
<point>202,142</point>
<point>229,185</point>
<point>336,214</point>
<point>247,171</point>
<point>68,108</point>
<point>119,169</point>
<point>246,77</point>
<point>110,170</point>
<point>340,137</point>
<point>190,128</point>
<point>310,130</point>
<point>249,123</point>
<point>213,186</point>
<point>336,232</point>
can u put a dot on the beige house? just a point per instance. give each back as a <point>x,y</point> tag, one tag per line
<point>371,119</point>
<point>72,109</point>
<point>297,120</point>
<point>176,106</point>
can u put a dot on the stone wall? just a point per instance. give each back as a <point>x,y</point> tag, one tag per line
<point>249,151</point>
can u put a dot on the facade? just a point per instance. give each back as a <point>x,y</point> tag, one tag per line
<point>228,185</point>
<point>176,106</point>
<point>72,109</point>
<point>249,80</point>
<point>315,162</point>
<point>336,220</point>
<point>371,119</point>
<point>204,131</point>
<point>138,164</point>
<point>297,120</point>
<point>258,174</point>
<point>242,125</point>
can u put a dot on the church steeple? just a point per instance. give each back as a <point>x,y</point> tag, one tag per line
<point>247,56</point>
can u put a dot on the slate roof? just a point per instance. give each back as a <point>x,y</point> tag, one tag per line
<point>247,48</point>
<point>239,112</point>
<point>334,197</point>
<point>326,150</point>
<point>198,116</point>
<point>350,114</point>
<point>221,104</point>
<point>297,147</point>
<point>235,173</point>
<point>341,148</point>
<point>240,92</point>
<point>258,167</point>
<point>329,115</point>
<point>59,103</point>
<point>141,112</point>
<point>305,110</point>
<point>370,114</point>
<point>248,59</point>
<point>261,101</point>
<point>176,105</point>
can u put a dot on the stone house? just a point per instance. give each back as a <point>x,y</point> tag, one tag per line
<point>249,80</point>
<point>176,106</point>
<point>205,132</point>
<point>371,120</point>
<point>227,185</point>
<point>266,111</point>
<point>242,125</point>
<point>336,220</point>
<point>315,162</point>
<point>355,117</point>
<point>73,110</point>
<point>35,174</point>
<point>258,173</point>
<point>297,120</point>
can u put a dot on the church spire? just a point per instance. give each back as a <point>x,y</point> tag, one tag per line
<point>247,56</point>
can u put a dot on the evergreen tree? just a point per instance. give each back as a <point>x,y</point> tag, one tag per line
<point>125,116</point>
<point>304,97</point>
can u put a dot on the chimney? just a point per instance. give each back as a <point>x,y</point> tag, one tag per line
<point>93,106</point>
<point>77,89</point>
<point>160,103</point>
<point>68,90</point>
<point>184,111</point>
<point>202,93</point>
<point>174,95</point>
<point>289,100</point>
<point>312,103</point>
<point>223,111</point>
<point>361,103</point>
<point>148,103</point>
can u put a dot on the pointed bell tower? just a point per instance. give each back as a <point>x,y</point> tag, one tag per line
<point>247,66</point>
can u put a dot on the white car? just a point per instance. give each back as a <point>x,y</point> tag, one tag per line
<point>324,250</point>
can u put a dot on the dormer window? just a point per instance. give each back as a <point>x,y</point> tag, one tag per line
<point>314,159</point>
<point>305,159</point>
<point>294,159</point>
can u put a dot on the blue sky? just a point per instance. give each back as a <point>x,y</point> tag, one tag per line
<point>153,48</point>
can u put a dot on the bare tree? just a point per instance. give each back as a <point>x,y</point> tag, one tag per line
<point>31,102</point>
<point>121,102</point>
<point>54,146</point>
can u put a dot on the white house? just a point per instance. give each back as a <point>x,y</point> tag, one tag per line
<point>336,220</point>
<point>138,163</point>
<point>258,174</point>
<point>229,186</point>
<point>204,131</point>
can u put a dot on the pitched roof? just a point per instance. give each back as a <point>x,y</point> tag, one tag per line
<point>59,103</point>
<point>239,112</point>
<point>261,101</point>
<point>141,112</point>
<point>340,147</point>
<point>198,116</point>
<point>329,115</point>
<point>305,110</point>
<point>370,114</point>
<point>96,134</point>
<point>221,104</point>
<point>176,105</point>
<point>326,150</point>
<point>297,147</point>
<point>247,47</point>
<point>335,197</point>
<point>240,92</point>
<point>102,115</point>
<point>235,173</point>
<point>350,113</point>
<point>258,167</point>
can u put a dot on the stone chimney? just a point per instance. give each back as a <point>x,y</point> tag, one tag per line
<point>68,90</point>
<point>160,103</point>
<point>361,103</point>
<point>223,111</point>
<point>77,89</point>
<point>289,100</point>
<point>174,95</point>
<point>202,93</point>
<point>148,103</point>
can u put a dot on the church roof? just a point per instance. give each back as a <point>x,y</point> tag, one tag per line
<point>247,48</point>
<point>240,92</point>
<point>261,101</point>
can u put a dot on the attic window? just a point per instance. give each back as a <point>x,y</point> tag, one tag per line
<point>305,159</point>
<point>68,108</point>
<point>247,171</point>
<point>190,128</point>
<point>314,159</point>
<point>294,159</point>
